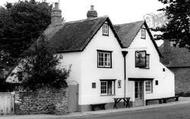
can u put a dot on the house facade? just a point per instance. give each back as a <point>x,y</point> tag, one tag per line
<point>150,79</point>
<point>109,61</point>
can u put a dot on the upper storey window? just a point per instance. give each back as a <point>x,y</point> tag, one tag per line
<point>143,33</point>
<point>105,29</point>
<point>104,59</point>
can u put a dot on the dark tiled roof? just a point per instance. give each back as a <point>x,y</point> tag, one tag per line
<point>49,33</point>
<point>127,33</point>
<point>74,36</point>
<point>175,56</point>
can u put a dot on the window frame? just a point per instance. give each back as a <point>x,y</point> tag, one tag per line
<point>105,29</point>
<point>149,86</point>
<point>104,63</point>
<point>113,83</point>
<point>143,33</point>
<point>147,61</point>
<point>136,59</point>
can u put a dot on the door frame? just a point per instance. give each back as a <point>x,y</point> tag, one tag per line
<point>140,90</point>
<point>143,89</point>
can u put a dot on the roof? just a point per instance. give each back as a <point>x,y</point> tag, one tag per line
<point>127,33</point>
<point>75,36</point>
<point>175,56</point>
<point>48,33</point>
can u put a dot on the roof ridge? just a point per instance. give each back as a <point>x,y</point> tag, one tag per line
<point>87,19</point>
<point>129,23</point>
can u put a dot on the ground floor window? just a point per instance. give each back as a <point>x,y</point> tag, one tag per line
<point>149,86</point>
<point>107,87</point>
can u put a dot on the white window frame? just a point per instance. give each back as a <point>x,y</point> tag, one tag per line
<point>147,61</point>
<point>105,29</point>
<point>106,89</point>
<point>104,59</point>
<point>149,86</point>
<point>143,33</point>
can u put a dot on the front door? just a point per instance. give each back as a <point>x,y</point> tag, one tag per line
<point>139,93</point>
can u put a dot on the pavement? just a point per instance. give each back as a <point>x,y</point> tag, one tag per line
<point>182,100</point>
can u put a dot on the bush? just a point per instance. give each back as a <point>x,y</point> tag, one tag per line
<point>41,69</point>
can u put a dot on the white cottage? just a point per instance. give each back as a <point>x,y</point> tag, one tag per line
<point>110,61</point>
<point>147,77</point>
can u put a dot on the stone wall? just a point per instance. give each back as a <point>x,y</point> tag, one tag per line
<point>43,101</point>
<point>182,81</point>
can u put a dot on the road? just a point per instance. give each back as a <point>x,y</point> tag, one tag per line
<point>180,111</point>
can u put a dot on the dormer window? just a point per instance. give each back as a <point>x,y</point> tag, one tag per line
<point>105,29</point>
<point>143,33</point>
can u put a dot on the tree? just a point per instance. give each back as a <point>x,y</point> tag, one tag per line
<point>21,24</point>
<point>41,68</point>
<point>178,27</point>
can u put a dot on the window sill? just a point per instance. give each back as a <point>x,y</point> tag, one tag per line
<point>142,67</point>
<point>105,67</point>
<point>149,92</point>
<point>107,95</point>
<point>105,34</point>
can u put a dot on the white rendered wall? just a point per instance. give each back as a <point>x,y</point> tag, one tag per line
<point>165,79</point>
<point>90,72</point>
<point>73,59</point>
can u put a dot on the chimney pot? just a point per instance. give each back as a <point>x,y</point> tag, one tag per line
<point>92,7</point>
<point>56,6</point>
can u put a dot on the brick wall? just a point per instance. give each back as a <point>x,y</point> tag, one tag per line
<point>43,101</point>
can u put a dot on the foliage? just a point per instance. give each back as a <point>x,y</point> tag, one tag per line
<point>21,24</point>
<point>5,86</point>
<point>178,27</point>
<point>42,68</point>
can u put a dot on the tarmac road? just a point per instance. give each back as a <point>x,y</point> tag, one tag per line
<point>181,111</point>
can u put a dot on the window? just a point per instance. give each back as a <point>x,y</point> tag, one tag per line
<point>147,61</point>
<point>143,33</point>
<point>104,59</point>
<point>142,60</point>
<point>105,29</point>
<point>119,83</point>
<point>148,86</point>
<point>107,87</point>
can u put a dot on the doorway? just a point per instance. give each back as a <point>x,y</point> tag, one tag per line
<point>139,93</point>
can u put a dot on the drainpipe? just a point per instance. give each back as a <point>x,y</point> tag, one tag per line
<point>124,53</point>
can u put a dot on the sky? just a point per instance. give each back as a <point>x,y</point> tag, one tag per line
<point>119,11</point>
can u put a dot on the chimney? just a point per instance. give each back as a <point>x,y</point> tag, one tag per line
<point>56,18</point>
<point>92,13</point>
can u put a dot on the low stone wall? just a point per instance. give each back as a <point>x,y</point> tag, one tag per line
<point>43,101</point>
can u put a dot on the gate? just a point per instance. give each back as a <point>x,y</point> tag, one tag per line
<point>6,103</point>
<point>73,98</point>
